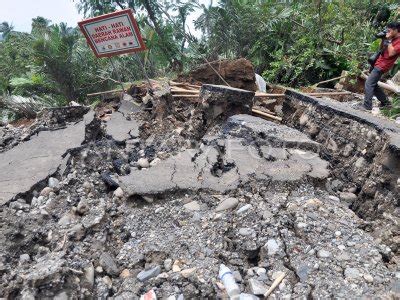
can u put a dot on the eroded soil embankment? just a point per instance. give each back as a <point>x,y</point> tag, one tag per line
<point>364,153</point>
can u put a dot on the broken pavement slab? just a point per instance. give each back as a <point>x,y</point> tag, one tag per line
<point>122,126</point>
<point>229,161</point>
<point>32,161</point>
<point>220,101</point>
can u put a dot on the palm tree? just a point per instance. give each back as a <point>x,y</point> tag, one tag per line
<point>205,21</point>
<point>6,29</point>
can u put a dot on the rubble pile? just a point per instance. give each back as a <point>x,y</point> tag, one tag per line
<point>364,152</point>
<point>153,199</point>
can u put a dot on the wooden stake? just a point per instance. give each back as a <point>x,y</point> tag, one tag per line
<point>276,282</point>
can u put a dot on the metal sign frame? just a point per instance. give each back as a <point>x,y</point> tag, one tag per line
<point>134,27</point>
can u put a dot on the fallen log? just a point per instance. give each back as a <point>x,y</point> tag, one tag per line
<point>384,85</point>
<point>173,83</point>
<point>105,92</point>
<point>174,90</point>
<point>266,115</point>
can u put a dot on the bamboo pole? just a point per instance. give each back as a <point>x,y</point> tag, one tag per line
<point>105,92</point>
<point>329,80</point>
<point>269,116</point>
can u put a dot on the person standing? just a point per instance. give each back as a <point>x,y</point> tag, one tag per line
<point>390,51</point>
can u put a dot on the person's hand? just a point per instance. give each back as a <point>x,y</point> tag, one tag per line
<point>386,43</point>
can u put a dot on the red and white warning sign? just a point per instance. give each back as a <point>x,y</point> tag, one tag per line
<point>113,34</point>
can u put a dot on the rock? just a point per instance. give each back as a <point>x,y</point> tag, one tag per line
<point>82,207</point>
<point>226,204</point>
<point>323,253</point>
<point>257,287</point>
<point>238,277</point>
<point>360,163</point>
<point>143,162</point>
<point>246,231</point>
<point>261,271</point>
<point>67,219</point>
<point>96,213</point>
<point>168,264</point>
<point>188,272</point>
<point>107,281</point>
<point>347,150</point>
<point>87,186</point>
<point>54,183</point>
<point>19,205</point>
<point>148,274</point>
<point>108,263</point>
<point>176,267</point>
<point>301,225</point>
<point>244,208</point>
<point>303,271</point>
<point>148,199</point>
<point>46,191</point>
<point>334,198</point>
<point>24,258</point>
<point>347,197</point>
<point>77,232</point>
<point>192,206</point>
<point>368,278</point>
<point>155,161</point>
<point>314,203</point>
<point>272,246</point>
<point>88,276</point>
<point>352,273</point>
<point>125,273</point>
<point>119,193</point>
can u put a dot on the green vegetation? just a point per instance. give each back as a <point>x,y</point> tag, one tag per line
<point>296,43</point>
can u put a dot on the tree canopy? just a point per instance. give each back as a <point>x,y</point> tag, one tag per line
<point>293,43</point>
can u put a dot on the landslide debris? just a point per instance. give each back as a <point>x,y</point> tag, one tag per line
<point>238,73</point>
<point>146,203</point>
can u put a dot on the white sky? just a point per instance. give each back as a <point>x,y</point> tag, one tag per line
<point>20,12</point>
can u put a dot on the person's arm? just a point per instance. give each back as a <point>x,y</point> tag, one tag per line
<point>392,50</point>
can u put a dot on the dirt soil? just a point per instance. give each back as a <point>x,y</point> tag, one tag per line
<point>238,73</point>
